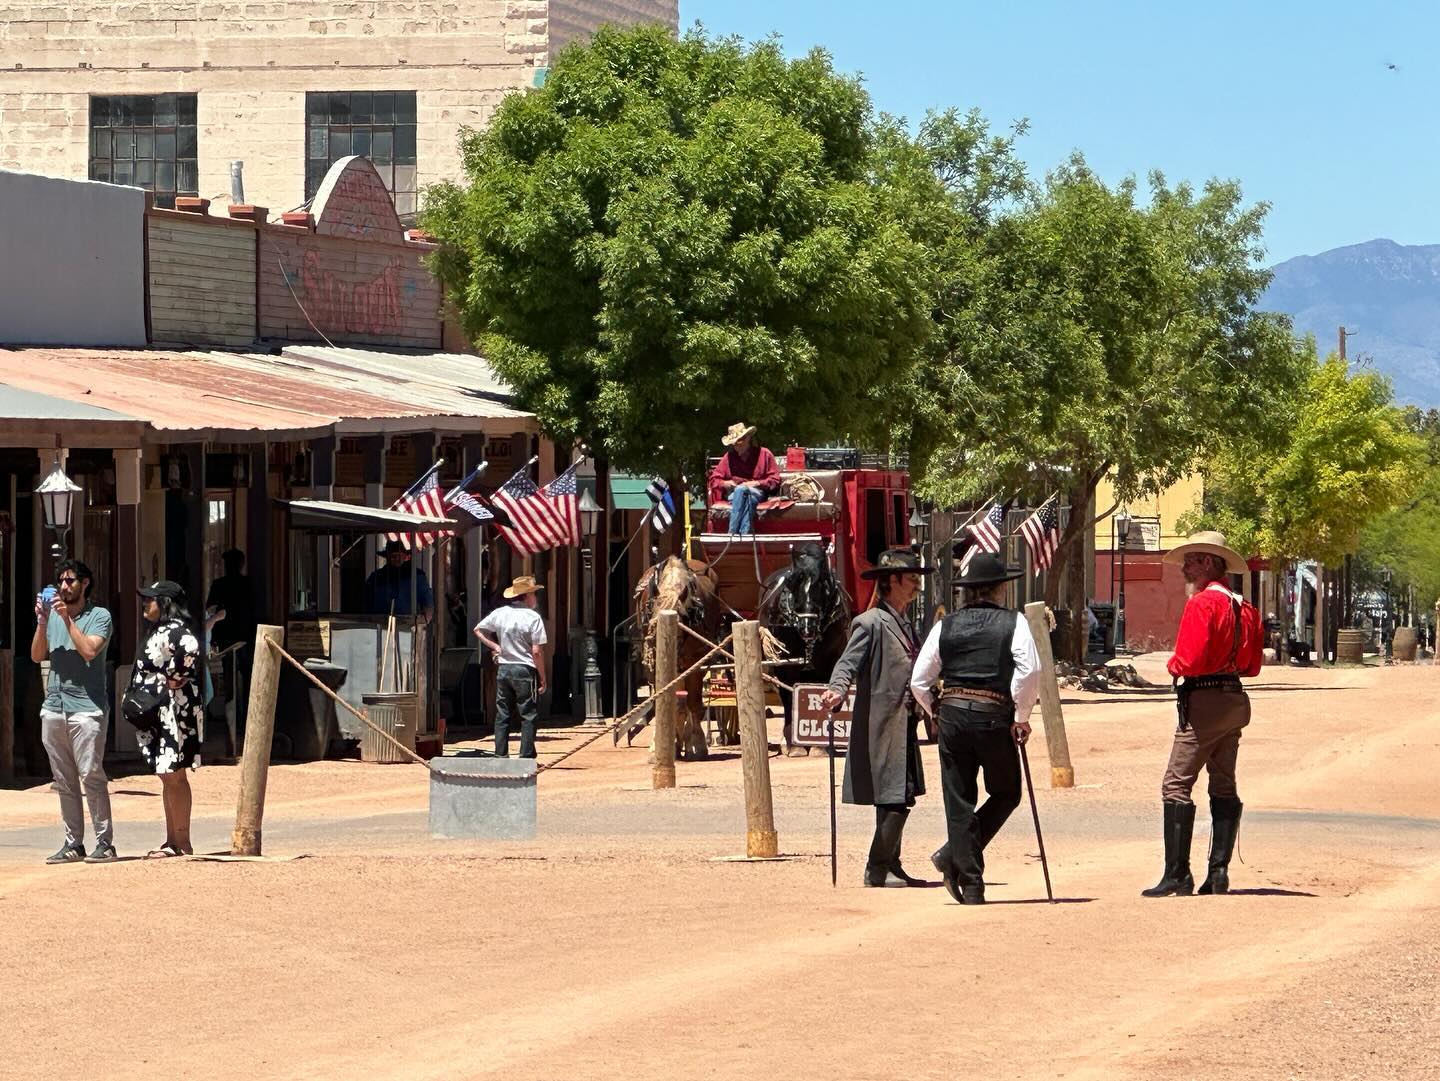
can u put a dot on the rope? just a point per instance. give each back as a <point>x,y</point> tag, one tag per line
<point>727,653</point>
<point>341,702</point>
<point>639,706</point>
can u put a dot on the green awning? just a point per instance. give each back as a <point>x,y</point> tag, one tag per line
<point>627,492</point>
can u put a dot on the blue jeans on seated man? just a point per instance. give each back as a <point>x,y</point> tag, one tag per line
<point>515,687</point>
<point>743,502</point>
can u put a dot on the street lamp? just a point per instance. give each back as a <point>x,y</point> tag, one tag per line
<point>1386,627</point>
<point>919,527</point>
<point>57,497</point>
<point>590,513</point>
<point>1122,531</point>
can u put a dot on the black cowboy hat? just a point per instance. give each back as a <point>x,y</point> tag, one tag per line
<point>985,569</point>
<point>896,561</point>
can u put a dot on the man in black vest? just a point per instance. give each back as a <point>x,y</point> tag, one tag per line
<point>985,657</point>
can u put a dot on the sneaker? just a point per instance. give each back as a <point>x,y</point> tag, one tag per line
<point>103,854</point>
<point>68,854</point>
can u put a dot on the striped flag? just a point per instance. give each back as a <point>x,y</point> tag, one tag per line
<point>989,530</point>
<point>540,518</point>
<point>422,497</point>
<point>1042,533</point>
<point>662,514</point>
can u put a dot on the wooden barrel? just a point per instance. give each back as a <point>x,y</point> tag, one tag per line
<point>1350,645</point>
<point>1404,643</point>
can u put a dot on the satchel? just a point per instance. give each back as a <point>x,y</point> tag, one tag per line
<point>141,707</point>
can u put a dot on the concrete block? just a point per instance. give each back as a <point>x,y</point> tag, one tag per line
<point>482,796</point>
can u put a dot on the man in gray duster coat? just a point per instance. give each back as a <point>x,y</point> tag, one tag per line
<point>883,765</point>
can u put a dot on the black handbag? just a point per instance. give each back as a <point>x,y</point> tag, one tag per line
<point>141,707</point>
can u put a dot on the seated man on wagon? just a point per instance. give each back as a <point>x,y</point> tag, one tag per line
<point>745,475</point>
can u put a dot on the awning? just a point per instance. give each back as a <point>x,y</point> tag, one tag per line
<point>187,396</point>
<point>627,492</point>
<point>29,418</point>
<point>321,516</point>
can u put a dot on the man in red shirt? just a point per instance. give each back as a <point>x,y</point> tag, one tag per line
<point>1220,640</point>
<point>745,475</point>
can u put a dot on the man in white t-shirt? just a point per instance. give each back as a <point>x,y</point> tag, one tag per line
<point>516,635</point>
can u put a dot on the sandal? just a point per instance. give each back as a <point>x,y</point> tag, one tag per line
<point>164,852</point>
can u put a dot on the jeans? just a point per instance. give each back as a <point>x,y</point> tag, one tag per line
<point>743,502</point>
<point>971,742</point>
<point>75,744</point>
<point>515,693</point>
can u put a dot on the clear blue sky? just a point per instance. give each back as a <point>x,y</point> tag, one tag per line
<point>1293,99</point>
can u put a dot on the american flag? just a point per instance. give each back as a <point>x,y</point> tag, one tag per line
<point>989,529</point>
<point>540,518</point>
<point>1042,533</point>
<point>423,497</point>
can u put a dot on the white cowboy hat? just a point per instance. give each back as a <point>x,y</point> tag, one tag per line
<point>1211,543</point>
<point>736,433</point>
<point>521,586</point>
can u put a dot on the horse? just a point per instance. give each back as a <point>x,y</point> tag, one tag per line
<point>805,607</point>
<point>689,587</point>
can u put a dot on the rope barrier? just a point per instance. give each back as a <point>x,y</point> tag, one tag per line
<point>341,702</point>
<point>764,675</point>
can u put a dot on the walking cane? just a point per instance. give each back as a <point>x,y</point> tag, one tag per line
<point>1035,813</point>
<point>830,741</point>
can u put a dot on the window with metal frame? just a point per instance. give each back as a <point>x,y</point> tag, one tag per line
<point>376,124</point>
<point>146,141</point>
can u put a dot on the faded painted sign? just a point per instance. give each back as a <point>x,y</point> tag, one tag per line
<point>353,202</point>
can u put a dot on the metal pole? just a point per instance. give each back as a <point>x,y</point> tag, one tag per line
<point>1035,813</point>
<point>830,746</point>
<point>591,677</point>
<point>1120,610</point>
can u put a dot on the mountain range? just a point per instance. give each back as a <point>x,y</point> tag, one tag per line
<point>1387,297</point>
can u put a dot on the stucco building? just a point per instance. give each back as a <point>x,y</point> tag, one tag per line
<point>165,95</point>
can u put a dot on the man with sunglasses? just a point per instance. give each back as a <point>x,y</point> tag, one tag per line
<point>72,634</point>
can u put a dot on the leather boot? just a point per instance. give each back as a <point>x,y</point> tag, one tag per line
<point>1179,826</point>
<point>1224,825</point>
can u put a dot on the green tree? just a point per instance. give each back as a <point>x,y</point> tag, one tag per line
<point>1406,539</point>
<point>1090,336</point>
<point>672,235</point>
<point>1349,458</point>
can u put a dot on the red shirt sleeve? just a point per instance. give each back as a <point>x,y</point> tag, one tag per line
<point>767,471</point>
<point>718,476</point>
<point>1200,628</point>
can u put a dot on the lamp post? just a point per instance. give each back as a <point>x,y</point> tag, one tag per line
<point>590,513</point>
<point>57,497</point>
<point>1386,628</point>
<point>1122,531</point>
<point>919,528</point>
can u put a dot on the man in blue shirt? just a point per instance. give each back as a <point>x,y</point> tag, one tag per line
<point>387,590</point>
<point>72,634</point>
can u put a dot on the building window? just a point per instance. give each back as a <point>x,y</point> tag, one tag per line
<point>146,141</point>
<point>376,124</point>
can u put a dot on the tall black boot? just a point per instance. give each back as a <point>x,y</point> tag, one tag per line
<point>1224,825</point>
<point>1179,826</point>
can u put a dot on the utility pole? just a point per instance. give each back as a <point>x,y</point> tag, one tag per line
<point>1344,334</point>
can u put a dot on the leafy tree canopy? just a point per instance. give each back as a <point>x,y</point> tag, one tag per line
<point>672,235</point>
<point>1406,539</point>
<point>1348,459</point>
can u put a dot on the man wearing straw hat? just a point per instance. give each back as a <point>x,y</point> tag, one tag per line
<point>883,764</point>
<point>986,657</point>
<point>1220,640</point>
<point>745,474</point>
<point>515,634</point>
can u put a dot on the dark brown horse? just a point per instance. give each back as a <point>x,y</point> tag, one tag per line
<point>805,607</point>
<point>689,587</point>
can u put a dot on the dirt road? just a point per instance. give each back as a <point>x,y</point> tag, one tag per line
<point>618,945</point>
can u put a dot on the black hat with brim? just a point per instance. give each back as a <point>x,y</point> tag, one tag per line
<point>896,561</point>
<point>168,589</point>
<point>985,569</point>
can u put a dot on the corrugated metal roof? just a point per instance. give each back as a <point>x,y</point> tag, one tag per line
<point>196,392</point>
<point>435,370</point>
<point>16,403</point>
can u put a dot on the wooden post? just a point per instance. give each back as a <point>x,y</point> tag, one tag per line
<point>7,715</point>
<point>667,636</point>
<point>1061,773</point>
<point>259,734</point>
<point>760,838</point>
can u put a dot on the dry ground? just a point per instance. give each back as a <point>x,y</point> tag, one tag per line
<point>616,945</point>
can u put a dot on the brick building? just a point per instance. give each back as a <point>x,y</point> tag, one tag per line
<point>165,96</point>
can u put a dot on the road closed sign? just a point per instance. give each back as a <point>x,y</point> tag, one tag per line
<point>812,719</point>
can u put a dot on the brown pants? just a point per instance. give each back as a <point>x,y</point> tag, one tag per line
<point>1212,740</point>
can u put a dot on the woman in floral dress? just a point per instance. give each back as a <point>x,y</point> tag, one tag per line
<point>167,666</point>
